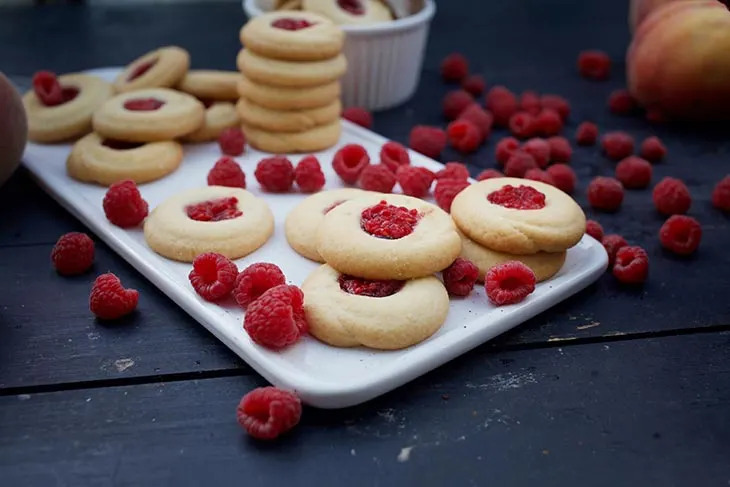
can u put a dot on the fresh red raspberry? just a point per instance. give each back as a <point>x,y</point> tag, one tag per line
<point>509,283</point>
<point>530,103</point>
<point>681,234</point>
<point>594,229</point>
<point>73,254</point>
<point>612,243</point>
<point>617,145</point>
<point>276,319</point>
<point>539,149</point>
<point>414,181</point>
<point>123,204</point>
<point>453,170</point>
<point>652,149</point>
<point>389,221</point>
<point>213,276</point>
<point>671,197</point>
<point>232,141</point>
<point>255,280</point>
<point>109,300</point>
<point>522,125</point>
<point>564,177</point>
<point>594,65</point>
<point>518,164</point>
<point>275,174</point>
<point>586,134</point>
<point>227,172</point>
<point>721,195</point>
<point>454,68</point>
<point>502,103</point>
<point>377,177</point>
<point>358,116</point>
<point>393,155</point>
<point>446,190</point>
<point>605,193</point>
<point>267,412</point>
<point>548,122</point>
<point>427,140</point>
<point>464,136</point>
<point>455,102</point>
<point>350,161</point>
<point>634,172</point>
<point>505,148</point>
<point>489,174</point>
<point>540,175</point>
<point>474,84</point>
<point>620,102</point>
<point>560,150</point>
<point>308,175</point>
<point>460,277</point>
<point>631,265</point>
<point>557,103</point>
<point>479,117</point>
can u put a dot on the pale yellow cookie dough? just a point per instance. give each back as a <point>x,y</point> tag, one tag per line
<point>207,84</point>
<point>279,98</point>
<point>314,140</point>
<point>218,117</point>
<point>170,63</point>
<point>291,74</point>
<point>287,121</point>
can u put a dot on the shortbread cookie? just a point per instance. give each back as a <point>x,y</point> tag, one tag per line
<point>344,311</point>
<point>150,115</point>
<point>350,11</point>
<point>315,140</point>
<point>518,216</point>
<point>293,36</point>
<point>161,68</point>
<point>279,98</point>
<point>388,237</point>
<point>288,5</point>
<point>287,121</point>
<point>104,162</point>
<point>210,85</point>
<point>218,117</point>
<point>303,221</point>
<point>290,73</point>
<point>230,221</point>
<point>81,95</point>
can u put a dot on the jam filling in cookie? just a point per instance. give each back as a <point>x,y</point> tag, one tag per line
<point>143,104</point>
<point>354,7</point>
<point>214,210</point>
<point>120,144</point>
<point>291,24</point>
<point>371,288</point>
<point>388,221</point>
<point>50,92</point>
<point>518,197</point>
<point>141,69</point>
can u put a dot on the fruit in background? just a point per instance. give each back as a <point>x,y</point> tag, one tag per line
<point>640,10</point>
<point>13,129</point>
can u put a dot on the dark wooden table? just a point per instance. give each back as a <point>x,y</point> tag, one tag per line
<point>614,387</point>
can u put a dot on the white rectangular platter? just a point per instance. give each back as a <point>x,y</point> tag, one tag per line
<point>322,375</point>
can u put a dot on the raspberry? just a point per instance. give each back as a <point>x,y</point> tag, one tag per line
<point>509,283</point>
<point>557,103</point>
<point>370,288</point>
<point>617,145</point>
<point>502,103</point>
<point>560,150</point>
<point>446,190</point>
<point>349,162</point>
<point>213,276</point>
<point>474,84</point>
<point>652,149</point>
<point>460,277</point>
<point>518,164</point>
<point>388,221</point>
<point>276,319</point>
<point>548,122</point>
<point>721,195</point>
<point>267,412</point>
<point>454,68</point>
<point>393,155</point>
<point>453,170</point>
<point>143,104</point>
<point>612,243</point>
<point>489,174</point>
<point>109,300</point>
<point>586,134</point>
<point>275,174</point>
<point>540,175</point>
<point>594,229</point>
<point>505,148</point>
<point>427,140</point>
<point>539,149</point>
<point>214,210</point>
<point>530,103</point>
<point>227,172</point>
<point>634,172</point>
<point>564,177</point>
<point>464,136</point>
<point>255,280</point>
<point>482,119</point>
<point>377,178</point>
<point>605,193</point>
<point>73,254</point>
<point>232,141</point>
<point>621,102</point>
<point>308,175</point>
<point>594,65</point>
<point>671,197</point>
<point>522,125</point>
<point>681,234</point>
<point>358,116</point>
<point>517,197</point>
<point>631,265</point>
<point>123,204</point>
<point>456,102</point>
<point>414,181</point>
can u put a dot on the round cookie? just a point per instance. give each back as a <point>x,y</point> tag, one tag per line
<point>288,5</point>
<point>302,222</point>
<point>426,240</point>
<point>210,85</point>
<point>289,121</point>
<point>289,73</point>
<point>415,310</point>
<point>279,98</point>
<point>518,216</point>
<point>293,36</point>
<point>94,160</point>
<point>150,115</point>
<point>58,123</point>
<point>161,68</point>
<point>350,11</point>
<point>238,224</point>
<point>315,140</point>
<point>218,117</point>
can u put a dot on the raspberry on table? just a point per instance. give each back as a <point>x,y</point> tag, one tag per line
<point>123,204</point>
<point>560,149</point>
<point>617,145</point>
<point>586,133</point>
<point>652,149</point>
<point>255,280</point>
<point>594,229</point>
<point>522,125</point>
<point>620,102</point>
<point>308,175</point>
<point>268,412</point>
<point>453,170</point>
<point>634,172</point>
<point>605,193</point>
<point>454,68</point>
<point>594,65</point>
<point>612,243</point>
<point>564,177</point>
<point>518,164</point>
<point>232,141</point>
<point>349,162</point>
<point>548,122</point>
<point>393,155</point>
<point>275,174</point>
<point>482,119</point>
<point>446,190</point>
<point>455,102</point>
<point>489,174</point>
<point>358,116</point>
<point>557,103</point>
<point>540,175</point>
<point>505,148</point>
<point>502,103</point>
<point>474,84</point>
<point>73,254</point>
<point>681,234</point>
<point>109,300</point>
<point>460,277</point>
<point>464,136</point>
<point>276,319</point>
<point>427,140</point>
<point>631,265</point>
<point>671,197</point>
<point>539,149</point>
<point>509,283</point>
<point>530,102</point>
<point>213,276</point>
<point>414,181</point>
<point>227,172</point>
<point>377,177</point>
<point>721,195</point>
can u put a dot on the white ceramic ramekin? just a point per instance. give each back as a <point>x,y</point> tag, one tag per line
<point>384,60</point>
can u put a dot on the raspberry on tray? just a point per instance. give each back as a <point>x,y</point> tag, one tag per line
<point>255,280</point>
<point>124,206</point>
<point>276,319</point>
<point>509,283</point>
<point>213,276</point>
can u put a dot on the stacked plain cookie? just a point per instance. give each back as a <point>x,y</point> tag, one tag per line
<point>289,87</point>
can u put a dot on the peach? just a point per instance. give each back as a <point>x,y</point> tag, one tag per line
<point>640,9</point>
<point>13,129</point>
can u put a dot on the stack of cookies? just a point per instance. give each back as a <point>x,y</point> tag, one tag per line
<point>291,67</point>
